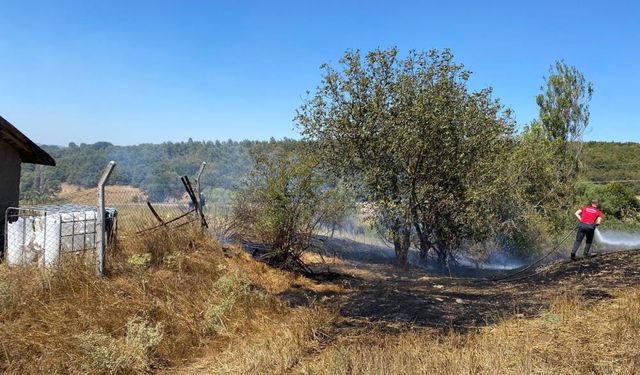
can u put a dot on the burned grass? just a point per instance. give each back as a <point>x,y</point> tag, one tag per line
<point>568,338</point>
<point>386,297</point>
<point>181,304</point>
<point>571,318</point>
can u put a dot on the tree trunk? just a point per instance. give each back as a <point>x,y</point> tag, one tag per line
<point>401,244</point>
<point>425,244</point>
<point>443,255</point>
<point>442,258</point>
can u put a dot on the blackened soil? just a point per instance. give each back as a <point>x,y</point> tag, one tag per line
<point>377,294</point>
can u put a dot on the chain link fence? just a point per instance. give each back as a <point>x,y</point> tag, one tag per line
<point>40,234</point>
<point>217,205</point>
<point>140,211</point>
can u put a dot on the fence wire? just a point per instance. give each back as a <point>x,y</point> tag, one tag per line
<point>217,199</point>
<point>140,212</point>
<point>41,231</point>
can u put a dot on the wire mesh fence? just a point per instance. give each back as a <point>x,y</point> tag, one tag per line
<point>170,206</point>
<point>217,206</point>
<point>138,213</point>
<point>68,194</point>
<point>41,232</point>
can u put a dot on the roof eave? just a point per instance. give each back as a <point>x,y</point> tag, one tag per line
<point>29,151</point>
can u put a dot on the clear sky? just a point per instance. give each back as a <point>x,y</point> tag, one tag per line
<point>129,72</point>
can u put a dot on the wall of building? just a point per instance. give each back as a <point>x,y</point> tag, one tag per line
<point>9,182</point>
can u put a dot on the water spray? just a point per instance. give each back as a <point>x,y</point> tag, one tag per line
<point>616,240</point>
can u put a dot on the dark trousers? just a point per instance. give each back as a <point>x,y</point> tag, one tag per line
<point>584,230</point>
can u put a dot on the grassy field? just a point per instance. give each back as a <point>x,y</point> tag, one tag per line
<point>179,303</point>
<point>167,299</point>
<point>114,194</point>
<point>569,338</point>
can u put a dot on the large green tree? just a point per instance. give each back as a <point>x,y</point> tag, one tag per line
<point>564,115</point>
<point>543,167</point>
<point>563,118</point>
<point>418,143</point>
<point>564,103</point>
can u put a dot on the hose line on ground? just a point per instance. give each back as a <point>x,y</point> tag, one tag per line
<point>555,248</point>
<point>518,272</point>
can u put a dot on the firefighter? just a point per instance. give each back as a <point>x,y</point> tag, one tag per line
<point>590,217</point>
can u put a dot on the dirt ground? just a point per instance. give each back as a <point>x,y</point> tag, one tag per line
<point>372,296</point>
<point>377,294</point>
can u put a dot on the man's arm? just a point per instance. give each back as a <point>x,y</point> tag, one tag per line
<point>579,214</point>
<point>599,220</point>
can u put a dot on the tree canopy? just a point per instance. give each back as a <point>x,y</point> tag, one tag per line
<point>420,145</point>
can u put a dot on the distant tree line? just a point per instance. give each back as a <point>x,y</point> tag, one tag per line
<point>154,168</point>
<point>228,160</point>
<point>612,161</point>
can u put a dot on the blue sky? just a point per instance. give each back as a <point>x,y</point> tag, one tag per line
<point>129,72</point>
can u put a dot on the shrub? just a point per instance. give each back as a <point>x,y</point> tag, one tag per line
<point>131,353</point>
<point>281,204</point>
<point>230,292</point>
<point>619,204</point>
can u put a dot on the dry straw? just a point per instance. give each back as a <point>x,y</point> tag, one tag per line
<point>166,297</point>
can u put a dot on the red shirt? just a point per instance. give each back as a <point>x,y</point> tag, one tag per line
<point>589,214</point>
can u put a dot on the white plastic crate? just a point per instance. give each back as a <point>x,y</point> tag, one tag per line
<point>40,235</point>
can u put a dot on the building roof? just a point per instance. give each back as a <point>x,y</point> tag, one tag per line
<point>29,152</point>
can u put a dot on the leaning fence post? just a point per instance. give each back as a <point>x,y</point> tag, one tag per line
<point>204,164</point>
<point>198,196</point>
<point>100,227</point>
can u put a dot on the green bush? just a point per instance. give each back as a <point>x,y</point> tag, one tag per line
<point>620,207</point>
<point>132,353</point>
<point>281,204</point>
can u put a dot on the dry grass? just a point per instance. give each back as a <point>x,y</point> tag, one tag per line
<point>170,299</point>
<point>275,345</point>
<point>166,298</point>
<point>116,194</point>
<point>568,339</point>
<point>275,280</point>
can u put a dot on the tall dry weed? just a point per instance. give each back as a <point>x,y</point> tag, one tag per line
<point>149,312</point>
<point>278,343</point>
<point>568,339</point>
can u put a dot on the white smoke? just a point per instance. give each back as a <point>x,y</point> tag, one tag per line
<point>611,240</point>
<point>496,260</point>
